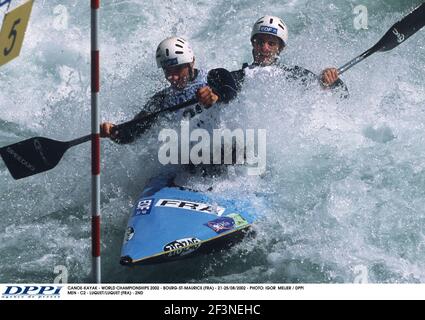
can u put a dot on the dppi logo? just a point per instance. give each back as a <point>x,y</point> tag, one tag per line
<point>31,292</point>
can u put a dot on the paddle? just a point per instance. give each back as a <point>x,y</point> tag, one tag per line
<point>219,79</point>
<point>397,34</point>
<point>39,154</point>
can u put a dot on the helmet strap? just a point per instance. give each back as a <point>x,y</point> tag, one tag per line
<point>192,73</point>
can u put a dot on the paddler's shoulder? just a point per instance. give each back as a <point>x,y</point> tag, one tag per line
<point>239,75</point>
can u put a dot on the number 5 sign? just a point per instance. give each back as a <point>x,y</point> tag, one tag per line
<point>13,31</point>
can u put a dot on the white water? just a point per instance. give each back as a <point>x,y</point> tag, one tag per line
<point>345,181</point>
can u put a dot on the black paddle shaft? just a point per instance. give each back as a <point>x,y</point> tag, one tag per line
<point>39,154</point>
<point>396,35</point>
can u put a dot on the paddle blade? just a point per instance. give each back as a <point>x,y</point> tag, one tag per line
<point>32,156</point>
<point>403,29</point>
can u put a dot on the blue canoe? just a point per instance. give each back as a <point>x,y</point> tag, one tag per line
<point>169,222</point>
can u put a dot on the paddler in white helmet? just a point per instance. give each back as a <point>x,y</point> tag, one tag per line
<point>175,57</point>
<point>269,37</point>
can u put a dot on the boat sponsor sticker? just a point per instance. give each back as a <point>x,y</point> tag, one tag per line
<point>182,247</point>
<point>143,207</point>
<point>221,224</point>
<point>129,233</point>
<point>193,206</point>
<point>238,219</point>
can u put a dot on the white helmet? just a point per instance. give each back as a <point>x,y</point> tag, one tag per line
<point>271,25</point>
<point>173,51</point>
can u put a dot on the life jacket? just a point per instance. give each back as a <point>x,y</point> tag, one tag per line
<point>174,96</point>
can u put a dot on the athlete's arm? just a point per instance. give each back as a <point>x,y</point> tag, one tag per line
<point>130,133</point>
<point>206,96</point>
<point>306,77</point>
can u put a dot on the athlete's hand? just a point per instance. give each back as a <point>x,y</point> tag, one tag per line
<point>106,130</point>
<point>329,76</point>
<point>206,96</point>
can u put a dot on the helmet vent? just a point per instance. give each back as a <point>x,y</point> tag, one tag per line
<point>167,52</point>
<point>179,45</point>
<point>271,20</point>
<point>283,28</point>
<point>180,40</point>
<point>178,52</point>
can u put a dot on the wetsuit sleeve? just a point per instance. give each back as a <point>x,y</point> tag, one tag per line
<point>129,132</point>
<point>300,74</point>
<point>307,77</point>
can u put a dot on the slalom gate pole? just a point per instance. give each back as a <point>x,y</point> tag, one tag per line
<point>95,142</point>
